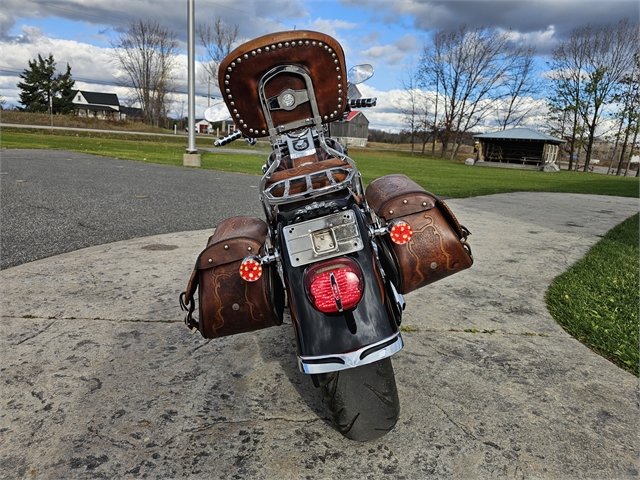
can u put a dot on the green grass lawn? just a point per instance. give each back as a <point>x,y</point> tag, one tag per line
<point>453,179</point>
<point>596,300</point>
<point>165,150</point>
<point>441,177</point>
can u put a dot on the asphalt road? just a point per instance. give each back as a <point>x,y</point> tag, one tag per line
<point>54,202</point>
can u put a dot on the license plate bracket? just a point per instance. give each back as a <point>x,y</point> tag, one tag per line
<point>323,238</point>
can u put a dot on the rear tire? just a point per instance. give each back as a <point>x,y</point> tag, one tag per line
<point>362,402</point>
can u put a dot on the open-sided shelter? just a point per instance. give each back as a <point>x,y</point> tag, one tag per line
<point>518,145</point>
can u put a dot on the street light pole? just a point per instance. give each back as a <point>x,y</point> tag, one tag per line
<point>191,158</point>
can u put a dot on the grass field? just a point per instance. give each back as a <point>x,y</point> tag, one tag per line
<point>596,300</point>
<point>29,118</point>
<point>454,179</point>
<point>441,177</point>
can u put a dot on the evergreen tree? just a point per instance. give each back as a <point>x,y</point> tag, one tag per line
<point>63,102</point>
<point>40,83</point>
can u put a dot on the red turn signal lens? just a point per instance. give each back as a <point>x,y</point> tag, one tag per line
<point>400,232</point>
<point>334,286</point>
<point>250,269</point>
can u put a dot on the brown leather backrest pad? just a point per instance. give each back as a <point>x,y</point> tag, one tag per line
<point>241,71</point>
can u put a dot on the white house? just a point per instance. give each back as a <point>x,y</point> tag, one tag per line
<point>96,104</point>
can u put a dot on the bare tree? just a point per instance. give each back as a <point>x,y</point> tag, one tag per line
<point>426,130</point>
<point>217,39</point>
<point>519,87</point>
<point>636,131</point>
<point>415,106</point>
<point>468,67</point>
<point>569,59</point>
<point>588,68</point>
<point>147,53</point>
<point>628,97</point>
<point>410,105</point>
<point>563,122</point>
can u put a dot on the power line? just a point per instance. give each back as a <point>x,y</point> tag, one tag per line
<point>234,9</point>
<point>13,71</point>
<point>86,80</point>
<point>101,17</point>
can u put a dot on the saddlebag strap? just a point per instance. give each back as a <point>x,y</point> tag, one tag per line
<point>461,230</point>
<point>188,304</point>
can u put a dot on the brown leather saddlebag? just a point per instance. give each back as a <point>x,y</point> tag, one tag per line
<point>438,247</point>
<point>227,304</point>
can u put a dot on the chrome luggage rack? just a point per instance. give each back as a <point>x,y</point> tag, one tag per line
<point>307,182</point>
<point>288,100</point>
<point>352,181</point>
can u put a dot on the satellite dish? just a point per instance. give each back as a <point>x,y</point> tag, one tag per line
<point>217,113</point>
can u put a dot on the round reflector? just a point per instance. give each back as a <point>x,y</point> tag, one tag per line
<point>250,269</point>
<point>400,232</point>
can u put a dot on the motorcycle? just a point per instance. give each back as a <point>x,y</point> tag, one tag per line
<point>336,256</point>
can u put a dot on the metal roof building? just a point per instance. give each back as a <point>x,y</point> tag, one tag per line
<point>518,145</point>
<point>96,104</point>
<point>352,130</point>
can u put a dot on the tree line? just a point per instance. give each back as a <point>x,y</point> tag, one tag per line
<point>146,55</point>
<point>471,74</point>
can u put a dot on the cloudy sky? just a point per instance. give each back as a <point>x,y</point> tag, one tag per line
<point>388,34</point>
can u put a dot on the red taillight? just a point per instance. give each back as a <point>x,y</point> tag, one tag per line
<point>334,286</point>
<point>250,269</point>
<point>400,232</point>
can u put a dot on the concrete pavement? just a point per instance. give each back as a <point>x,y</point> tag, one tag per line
<point>101,380</point>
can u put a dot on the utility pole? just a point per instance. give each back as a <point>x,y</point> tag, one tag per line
<point>192,157</point>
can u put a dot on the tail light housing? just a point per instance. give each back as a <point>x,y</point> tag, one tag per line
<point>334,286</point>
<point>400,232</point>
<point>251,269</point>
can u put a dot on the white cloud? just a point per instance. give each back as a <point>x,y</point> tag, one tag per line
<point>329,27</point>
<point>385,115</point>
<point>86,61</point>
<point>544,40</point>
<point>254,17</point>
<point>30,34</point>
<point>394,53</point>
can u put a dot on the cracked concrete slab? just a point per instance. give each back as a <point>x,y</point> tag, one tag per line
<point>101,380</point>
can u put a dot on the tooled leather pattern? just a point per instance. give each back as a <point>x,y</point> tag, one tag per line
<point>225,289</point>
<point>216,319</point>
<point>417,252</point>
<point>220,286</point>
<point>433,242</point>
